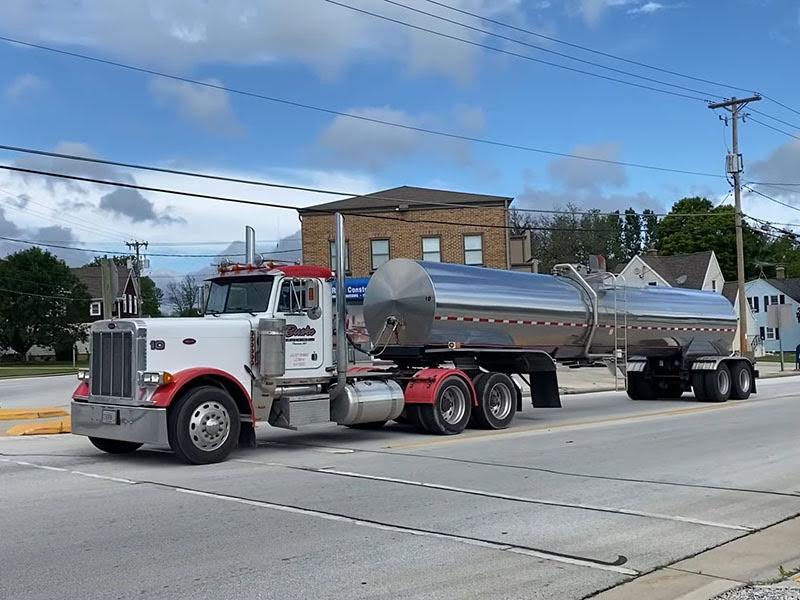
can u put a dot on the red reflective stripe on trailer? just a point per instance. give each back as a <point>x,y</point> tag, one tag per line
<point>424,386</point>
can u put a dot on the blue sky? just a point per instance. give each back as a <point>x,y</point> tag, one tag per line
<point>314,52</point>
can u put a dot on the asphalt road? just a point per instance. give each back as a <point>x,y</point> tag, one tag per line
<point>37,392</point>
<point>563,504</point>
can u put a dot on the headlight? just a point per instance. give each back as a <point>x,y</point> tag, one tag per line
<point>83,374</point>
<point>155,378</point>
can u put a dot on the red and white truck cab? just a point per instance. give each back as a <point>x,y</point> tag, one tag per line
<point>196,383</point>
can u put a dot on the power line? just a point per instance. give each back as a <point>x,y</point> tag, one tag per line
<point>118,253</point>
<point>768,126</point>
<point>72,298</point>
<point>547,50</point>
<point>608,54</point>
<point>776,119</point>
<point>510,53</point>
<point>586,48</point>
<point>768,197</point>
<point>263,183</point>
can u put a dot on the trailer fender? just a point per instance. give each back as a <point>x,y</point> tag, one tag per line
<point>424,386</point>
<point>183,380</point>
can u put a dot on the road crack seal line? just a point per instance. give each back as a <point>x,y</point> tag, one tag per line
<point>512,498</point>
<point>613,566</point>
<point>468,461</point>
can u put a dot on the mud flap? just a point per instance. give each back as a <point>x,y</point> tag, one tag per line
<point>544,390</point>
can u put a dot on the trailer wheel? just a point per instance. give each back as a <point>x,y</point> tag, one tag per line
<point>639,388</point>
<point>718,384</point>
<point>114,446</point>
<point>450,412</point>
<point>497,400</point>
<point>699,386</point>
<point>204,426</point>
<point>742,379</point>
<point>414,417</point>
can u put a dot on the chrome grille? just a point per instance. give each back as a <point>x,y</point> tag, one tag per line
<point>112,368</point>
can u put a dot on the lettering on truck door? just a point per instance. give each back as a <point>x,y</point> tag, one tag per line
<point>298,303</point>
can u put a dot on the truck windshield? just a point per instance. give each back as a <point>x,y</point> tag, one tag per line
<point>245,295</point>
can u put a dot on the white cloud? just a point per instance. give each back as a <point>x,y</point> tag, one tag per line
<point>647,9</point>
<point>593,10</point>
<point>24,86</point>
<point>208,106</point>
<point>181,34</point>
<point>363,144</point>
<point>76,208</point>
<point>576,174</point>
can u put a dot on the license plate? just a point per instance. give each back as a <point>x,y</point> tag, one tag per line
<point>110,417</point>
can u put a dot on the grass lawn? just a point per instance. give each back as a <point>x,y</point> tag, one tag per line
<point>37,369</point>
<point>788,358</point>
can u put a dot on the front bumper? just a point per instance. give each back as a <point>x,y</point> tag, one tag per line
<point>133,424</point>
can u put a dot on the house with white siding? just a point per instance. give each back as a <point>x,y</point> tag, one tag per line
<point>761,293</point>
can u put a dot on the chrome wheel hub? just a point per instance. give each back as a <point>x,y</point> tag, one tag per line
<point>209,426</point>
<point>500,401</point>
<point>453,405</point>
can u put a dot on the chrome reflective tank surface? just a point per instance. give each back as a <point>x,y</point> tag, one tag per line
<point>430,305</point>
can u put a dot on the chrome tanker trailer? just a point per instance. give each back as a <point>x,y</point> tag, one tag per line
<point>666,340</point>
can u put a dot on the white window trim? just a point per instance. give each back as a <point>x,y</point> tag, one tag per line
<point>438,250</point>
<point>468,250</point>
<point>372,255</point>
<point>96,309</point>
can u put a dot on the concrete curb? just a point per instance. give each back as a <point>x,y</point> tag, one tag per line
<point>62,425</point>
<point>744,561</point>
<point>35,375</point>
<point>18,414</point>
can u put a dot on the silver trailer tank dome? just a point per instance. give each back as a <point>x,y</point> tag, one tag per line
<point>428,305</point>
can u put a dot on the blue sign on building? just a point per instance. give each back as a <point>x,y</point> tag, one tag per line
<point>354,288</point>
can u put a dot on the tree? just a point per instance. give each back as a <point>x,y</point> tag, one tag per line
<point>183,295</point>
<point>152,297</point>
<point>44,304</point>
<point>649,223</point>
<point>678,234</point>
<point>632,234</point>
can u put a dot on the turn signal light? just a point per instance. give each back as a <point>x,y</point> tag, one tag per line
<point>83,374</point>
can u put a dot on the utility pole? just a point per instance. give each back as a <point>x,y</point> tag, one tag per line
<point>735,167</point>
<point>136,246</point>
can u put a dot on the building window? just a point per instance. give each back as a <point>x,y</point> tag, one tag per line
<point>473,249</point>
<point>753,302</point>
<point>773,300</point>
<point>432,249</point>
<point>346,256</point>
<point>653,283</point>
<point>96,309</point>
<point>772,334</point>
<point>379,252</point>
<point>714,285</point>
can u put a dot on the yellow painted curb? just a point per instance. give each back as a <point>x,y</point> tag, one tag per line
<point>62,425</point>
<point>17,414</point>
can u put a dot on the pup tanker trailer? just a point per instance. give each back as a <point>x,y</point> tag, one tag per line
<point>272,348</point>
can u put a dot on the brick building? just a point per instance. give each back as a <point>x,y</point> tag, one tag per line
<point>410,222</point>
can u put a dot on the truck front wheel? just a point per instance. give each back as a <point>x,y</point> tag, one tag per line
<point>114,446</point>
<point>204,426</point>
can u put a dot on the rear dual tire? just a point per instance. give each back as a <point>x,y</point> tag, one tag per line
<point>725,382</point>
<point>497,401</point>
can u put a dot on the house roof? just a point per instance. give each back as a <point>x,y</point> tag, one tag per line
<point>92,279</point>
<point>729,290</point>
<point>406,197</point>
<point>681,270</point>
<point>790,286</point>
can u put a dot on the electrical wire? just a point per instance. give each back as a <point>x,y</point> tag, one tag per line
<point>511,53</point>
<point>262,183</point>
<point>768,126</point>
<point>587,48</point>
<point>72,298</point>
<point>547,50</point>
<point>776,119</point>
<point>768,197</point>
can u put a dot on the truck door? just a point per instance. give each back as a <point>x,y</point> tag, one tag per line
<point>298,303</point>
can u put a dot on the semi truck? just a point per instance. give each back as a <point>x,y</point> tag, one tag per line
<point>452,347</point>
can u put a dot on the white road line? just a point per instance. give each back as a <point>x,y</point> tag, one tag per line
<point>351,520</point>
<point>594,507</point>
<point>410,530</point>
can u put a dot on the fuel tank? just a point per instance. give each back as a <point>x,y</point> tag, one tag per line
<point>427,306</point>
